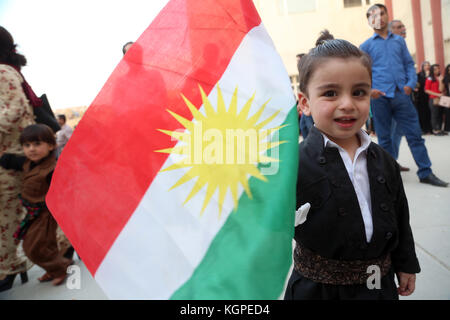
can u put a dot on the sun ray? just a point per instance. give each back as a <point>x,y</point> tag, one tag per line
<point>197,187</point>
<point>266,159</point>
<point>175,150</point>
<point>233,104</point>
<point>194,111</point>
<point>212,186</point>
<point>246,109</point>
<point>207,105</point>
<point>222,193</point>
<point>176,166</point>
<point>180,136</point>
<point>191,174</point>
<point>253,171</point>
<point>252,121</point>
<point>244,182</point>
<point>263,124</point>
<point>234,192</point>
<point>264,133</point>
<point>220,102</point>
<point>264,146</point>
<point>184,122</point>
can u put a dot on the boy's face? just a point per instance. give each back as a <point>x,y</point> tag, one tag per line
<point>378,18</point>
<point>339,98</point>
<point>37,150</point>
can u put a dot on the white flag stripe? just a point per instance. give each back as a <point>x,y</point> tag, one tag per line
<point>164,240</point>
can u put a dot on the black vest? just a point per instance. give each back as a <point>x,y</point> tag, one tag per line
<point>334,227</point>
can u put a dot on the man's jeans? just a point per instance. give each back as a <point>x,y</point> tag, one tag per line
<point>396,136</point>
<point>401,109</point>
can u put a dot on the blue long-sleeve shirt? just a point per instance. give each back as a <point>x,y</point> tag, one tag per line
<point>392,64</point>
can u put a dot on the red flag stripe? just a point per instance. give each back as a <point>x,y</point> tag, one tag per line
<point>110,162</point>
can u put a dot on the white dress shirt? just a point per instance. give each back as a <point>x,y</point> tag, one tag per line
<point>357,171</point>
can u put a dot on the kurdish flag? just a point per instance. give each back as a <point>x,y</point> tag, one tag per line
<point>179,181</point>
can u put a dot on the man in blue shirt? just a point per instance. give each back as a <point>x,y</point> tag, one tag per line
<point>393,80</point>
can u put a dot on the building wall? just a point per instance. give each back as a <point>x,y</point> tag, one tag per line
<point>446,29</point>
<point>427,25</point>
<point>403,11</point>
<point>297,33</point>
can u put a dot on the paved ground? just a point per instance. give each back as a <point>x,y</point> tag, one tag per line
<point>430,221</point>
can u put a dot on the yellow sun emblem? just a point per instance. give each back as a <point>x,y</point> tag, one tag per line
<point>221,147</point>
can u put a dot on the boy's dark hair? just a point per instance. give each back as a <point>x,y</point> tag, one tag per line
<point>379,5</point>
<point>324,36</point>
<point>38,132</point>
<point>434,66</point>
<point>125,45</point>
<point>328,47</point>
<point>8,54</point>
<point>62,117</point>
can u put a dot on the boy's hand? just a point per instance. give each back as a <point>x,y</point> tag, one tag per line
<point>375,94</point>
<point>407,283</point>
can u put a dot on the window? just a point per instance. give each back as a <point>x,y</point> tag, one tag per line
<point>295,6</point>
<point>352,3</point>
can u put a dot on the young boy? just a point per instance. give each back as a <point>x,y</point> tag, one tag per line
<point>357,225</point>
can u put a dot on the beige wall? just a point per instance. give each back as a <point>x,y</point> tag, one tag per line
<point>446,29</point>
<point>427,26</point>
<point>403,11</point>
<point>297,33</point>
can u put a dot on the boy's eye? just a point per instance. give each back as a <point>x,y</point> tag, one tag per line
<point>359,93</point>
<point>330,93</point>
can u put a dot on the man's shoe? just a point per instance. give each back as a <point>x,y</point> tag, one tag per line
<point>435,181</point>
<point>403,168</point>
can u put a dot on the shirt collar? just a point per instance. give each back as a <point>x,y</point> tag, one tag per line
<point>375,35</point>
<point>363,136</point>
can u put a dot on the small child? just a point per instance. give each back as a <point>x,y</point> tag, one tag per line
<point>38,229</point>
<point>356,234</point>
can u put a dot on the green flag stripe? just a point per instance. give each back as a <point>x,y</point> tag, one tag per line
<point>250,256</point>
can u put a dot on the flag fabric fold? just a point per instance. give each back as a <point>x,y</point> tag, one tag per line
<point>179,181</point>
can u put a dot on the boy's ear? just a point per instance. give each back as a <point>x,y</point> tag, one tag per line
<point>303,103</point>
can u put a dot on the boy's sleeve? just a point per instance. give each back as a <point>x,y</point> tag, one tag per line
<point>49,177</point>
<point>11,161</point>
<point>404,257</point>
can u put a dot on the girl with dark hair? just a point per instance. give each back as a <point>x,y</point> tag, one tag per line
<point>433,87</point>
<point>352,229</point>
<point>446,83</point>
<point>15,114</point>
<point>38,228</point>
<point>421,99</point>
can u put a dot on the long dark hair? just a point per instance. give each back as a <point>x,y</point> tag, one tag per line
<point>328,47</point>
<point>38,132</point>
<point>447,78</point>
<point>8,54</point>
<point>432,77</point>
<point>422,68</point>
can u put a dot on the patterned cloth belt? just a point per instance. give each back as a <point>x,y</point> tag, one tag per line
<point>33,211</point>
<point>336,272</point>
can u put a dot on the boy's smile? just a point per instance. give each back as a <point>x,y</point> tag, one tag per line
<point>338,98</point>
